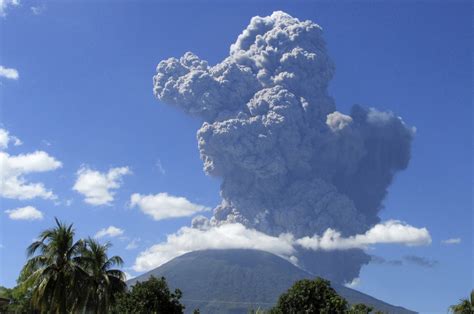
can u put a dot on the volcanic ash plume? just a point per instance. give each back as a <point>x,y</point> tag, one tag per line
<point>289,162</point>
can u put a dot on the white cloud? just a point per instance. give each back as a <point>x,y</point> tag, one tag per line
<point>14,168</point>
<point>132,244</point>
<point>354,283</point>
<point>37,10</point>
<point>451,241</point>
<point>391,231</point>
<point>8,73</point>
<point>226,236</point>
<point>163,206</point>
<point>24,213</point>
<point>98,187</point>
<point>237,236</point>
<point>159,167</point>
<point>110,231</point>
<point>6,138</point>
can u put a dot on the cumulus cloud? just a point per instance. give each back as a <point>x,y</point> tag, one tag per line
<point>226,236</point>
<point>13,172</point>
<point>354,283</point>
<point>451,241</point>
<point>24,213</point>
<point>205,235</point>
<point>164,206</point>
<point>97,187</point>
<point>289,161</point>
<point>110,231</point>
<point>389,232</point>
<point>8,73</point>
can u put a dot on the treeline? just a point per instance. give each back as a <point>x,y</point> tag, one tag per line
<point>62,275</point>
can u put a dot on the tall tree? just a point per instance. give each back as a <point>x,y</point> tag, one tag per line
<point>104,281</point>
<point>54,269</point>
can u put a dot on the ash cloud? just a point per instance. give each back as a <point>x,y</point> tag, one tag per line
<point>289,161</point>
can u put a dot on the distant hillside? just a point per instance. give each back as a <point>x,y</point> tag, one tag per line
<point>234,281</point>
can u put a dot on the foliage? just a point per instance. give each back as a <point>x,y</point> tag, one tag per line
<point>151,296</point>
<point>310,296</point>
<point>20,299</point>
<point>103,281</point>
<point>54,269</point>
<point>62,275</point>
<point>360,309</point>
<point>465,306</point>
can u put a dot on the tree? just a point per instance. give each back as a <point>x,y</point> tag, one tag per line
<point>54,269</point>
<point>103,281</point>
<point>310,296</point>
<point>465,306</point>
<point>360,309</point>
<point>20,300</point>
<point>152,296</point>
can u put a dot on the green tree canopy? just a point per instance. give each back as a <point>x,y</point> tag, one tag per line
<point>103,281</point>
<point>54,269</point>
<point>63,275</point>
<point>311,296</point>
<point>150,297</point>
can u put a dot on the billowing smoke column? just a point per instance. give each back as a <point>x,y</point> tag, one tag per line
<point>288,160</point>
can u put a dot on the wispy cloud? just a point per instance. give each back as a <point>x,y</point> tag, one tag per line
<point>164,206</point>
<point>24,213</point>
<point>8,73</point>
<point>37,10</point>
<point>5,4</point>
<point>132,244</point>
<point>451,241</point>
<point>110,231</point>
<point>97,187</point>
<point>383,261</point>
<point>159,167</point>
<point>420,261</point>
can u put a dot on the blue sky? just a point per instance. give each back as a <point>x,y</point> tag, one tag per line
<point>84,96</point>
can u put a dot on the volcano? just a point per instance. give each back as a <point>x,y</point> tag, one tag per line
<point>237,280</point>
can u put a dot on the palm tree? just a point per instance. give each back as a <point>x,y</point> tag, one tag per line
<point>103,282</point>
<point>465,306</point>
<point>54,269</point>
